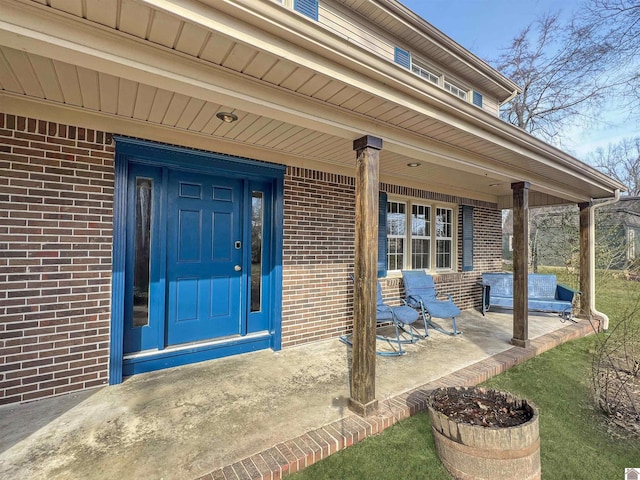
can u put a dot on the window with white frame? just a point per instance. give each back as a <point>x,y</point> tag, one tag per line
<point>420,236</point>
<point>424,72</point>
<point>411,226</point>
<point>444,238</point>
<point>456,90</point>
<point>396,234</point>
<point>407,60</point>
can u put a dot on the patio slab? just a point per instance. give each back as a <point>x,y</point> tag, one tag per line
<point>257,415</point>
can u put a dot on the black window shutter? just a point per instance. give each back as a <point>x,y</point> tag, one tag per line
<point>477,99</point>
<point>467,238</point>
<point>307,7</point>
<point>382,234</point>
<point>402,57</point>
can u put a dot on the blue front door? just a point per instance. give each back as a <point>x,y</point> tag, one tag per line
<point>199,260</point>
<point>204,258</point>
<point>197,257</point>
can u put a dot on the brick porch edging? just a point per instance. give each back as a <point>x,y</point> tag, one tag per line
<point>294,455</point>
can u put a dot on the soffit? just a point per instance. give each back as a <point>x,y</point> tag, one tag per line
<point>488,168</point>
<point>34,76</point>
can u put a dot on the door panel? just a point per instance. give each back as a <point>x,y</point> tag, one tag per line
<point>204,233</point>
<point>187,298</point>
<point>189,235</point>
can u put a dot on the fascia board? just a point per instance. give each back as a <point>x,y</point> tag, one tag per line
<point>103,49</point>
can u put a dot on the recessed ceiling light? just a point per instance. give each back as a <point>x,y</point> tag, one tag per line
<point>413,164</point>
<point>227,117</point>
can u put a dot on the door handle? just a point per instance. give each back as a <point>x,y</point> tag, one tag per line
<point>237,268</point>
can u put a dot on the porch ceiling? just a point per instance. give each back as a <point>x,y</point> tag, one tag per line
<point>134,61</point>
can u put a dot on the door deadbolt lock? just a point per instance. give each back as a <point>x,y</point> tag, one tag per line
<point>238,245</point>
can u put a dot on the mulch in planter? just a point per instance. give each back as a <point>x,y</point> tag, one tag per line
<point>477,406</point>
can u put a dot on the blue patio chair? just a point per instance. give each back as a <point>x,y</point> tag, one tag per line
<point>401,317</point>
<point>421,294</point>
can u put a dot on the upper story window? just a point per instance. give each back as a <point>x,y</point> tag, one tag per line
<point>424,72</point>
<point>407,60</point>
<point>411,226</point>
<point>457,91</point>
<point>305,7</point>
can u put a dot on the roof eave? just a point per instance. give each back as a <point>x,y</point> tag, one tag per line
<point>509,88</point>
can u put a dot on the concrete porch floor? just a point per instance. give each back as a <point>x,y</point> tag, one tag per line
<point>258,415</point>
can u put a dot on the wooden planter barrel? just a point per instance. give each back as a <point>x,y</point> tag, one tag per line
<point>473,452</point>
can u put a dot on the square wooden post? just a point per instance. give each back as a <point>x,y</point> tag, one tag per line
<point>363,364</point>
<point>520,264</point>
<point>587,259</point>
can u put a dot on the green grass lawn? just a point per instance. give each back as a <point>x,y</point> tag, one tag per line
<point>575,441</point>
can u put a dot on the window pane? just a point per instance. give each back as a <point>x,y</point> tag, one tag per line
<point>424,73</point>
<point>420,250</point>
<point>396,218</point>
<point>395,255</point>
<point>396,234</point>
<point>443,254</point>
<point>444,217</point>
<point>142,249</point>
<point>421,220</point>
<point>257,221</point>
<point>420,236</point>
<point>455,90</point>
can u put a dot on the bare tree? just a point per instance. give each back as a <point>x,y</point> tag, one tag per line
<point>616,27</point>
<point>561,71</point>
<point>622,162</point>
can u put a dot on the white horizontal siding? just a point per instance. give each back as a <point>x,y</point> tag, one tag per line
<point>350,26</point>
<point>490,105</point>
<point>353,27</point>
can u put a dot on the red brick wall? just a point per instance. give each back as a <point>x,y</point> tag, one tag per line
<point>319,214</point>
<point>317,292</point>
<point>56,207</point>
<point>56,200</point>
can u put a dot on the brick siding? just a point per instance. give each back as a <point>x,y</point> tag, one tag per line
<point>319,232</point>
<point>319,254</point>
<point>56,208</point>
<point>56,201</point>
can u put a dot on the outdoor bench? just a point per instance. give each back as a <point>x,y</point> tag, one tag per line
<point>545,293</point>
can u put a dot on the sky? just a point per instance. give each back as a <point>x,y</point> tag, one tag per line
<point>486,27</point>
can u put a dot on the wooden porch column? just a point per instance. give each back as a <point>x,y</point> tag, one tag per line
<point>587,244</point>
<point>363,364</point>
<point>520,264</point>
